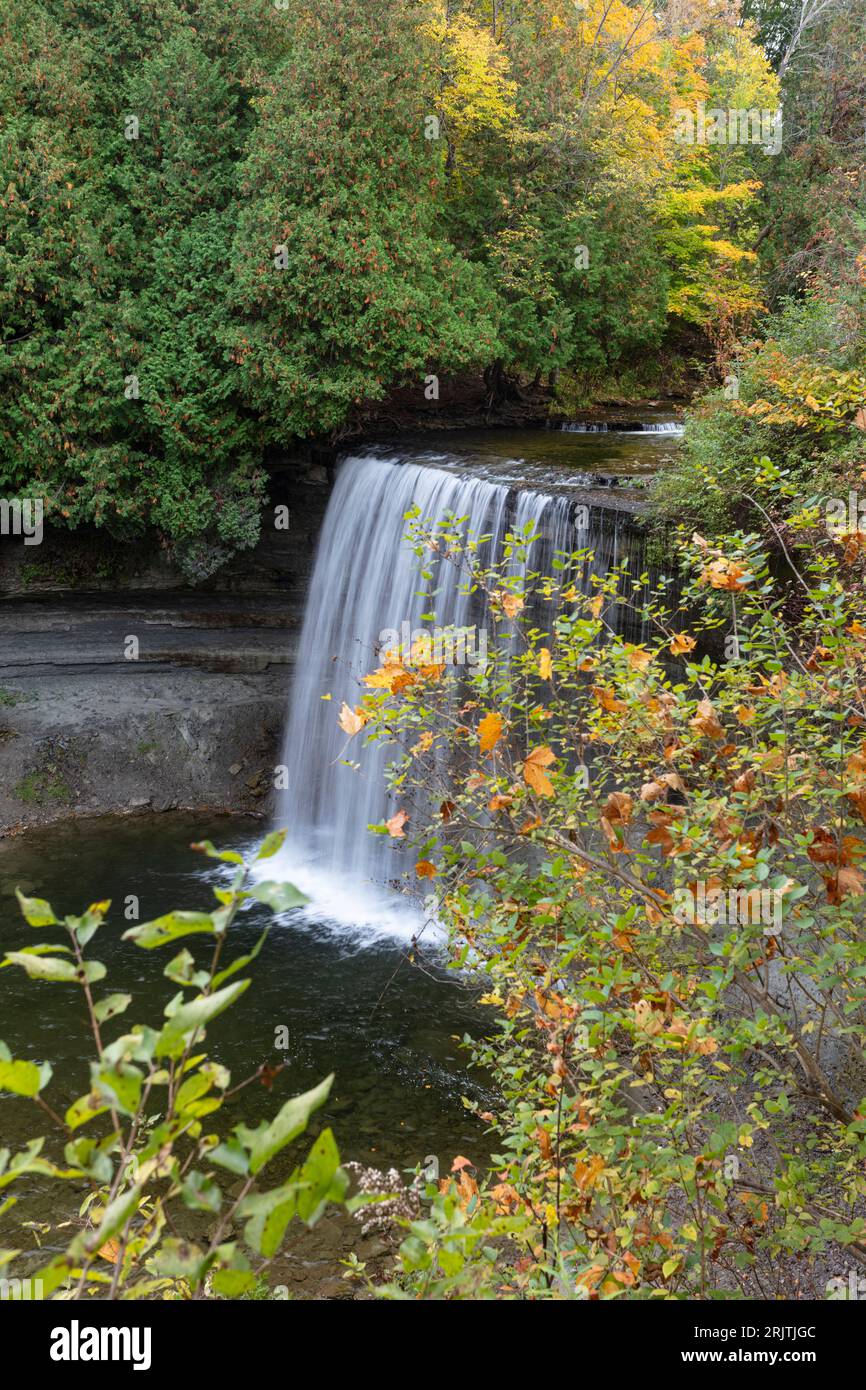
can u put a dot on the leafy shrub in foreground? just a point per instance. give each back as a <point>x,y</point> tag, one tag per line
<point>657,859</point>
<point>139,1136</point>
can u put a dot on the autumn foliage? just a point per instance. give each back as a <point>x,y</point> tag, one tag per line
<point>682,1097</point>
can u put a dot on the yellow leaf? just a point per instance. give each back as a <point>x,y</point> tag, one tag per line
<point>490,731</point>
<point>552,1005</point>
<point>351,721</point>
<point>391,675</point>
<point>609,701</point>
<point>545,664</point>
<point>619,807</point>
<point>513,604</point>
<point>725,574</point>
<point>588,1174</point>
<point>638,658</point>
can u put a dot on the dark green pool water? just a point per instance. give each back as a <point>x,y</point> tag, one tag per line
<point>387,1028</point>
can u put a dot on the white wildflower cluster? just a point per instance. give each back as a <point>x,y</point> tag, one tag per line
<point>401,1201</point>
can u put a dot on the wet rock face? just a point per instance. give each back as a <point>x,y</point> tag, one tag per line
<point>153,704</point>
<point>123,690</point>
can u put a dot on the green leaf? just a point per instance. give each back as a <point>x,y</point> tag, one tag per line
<point>201,1193</point>
<point>231,1155</point>
<point>55,1274</point>
<point>84,1109</point>
<point>169,928</point>
<point>280,897</point>
<point>269,1213</point>
<point>219,1075</point>
<point>291,1121</point>
<point>322,1178</point>
<point>86,1153</point>
<point>451,1260</point>
<point>37,912</point>
<point>196,1014</point>
<point>192,1089</point>
<point>242,961</point>
<point>33,951</point>
<point>229,856</point>
<point>232,1283</point>
<point>89,922</point>
<point>111,1006</point>
<point>28,1161</point>
<point>271,843</point>
<point>121,1088</point>
<point>21,1078</point>
<point>181,1260</point>
<point>137,1046</point>
<point>41,967</point>
<point>181,970</point>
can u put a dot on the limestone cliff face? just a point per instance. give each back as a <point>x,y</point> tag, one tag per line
<point>120,690</point>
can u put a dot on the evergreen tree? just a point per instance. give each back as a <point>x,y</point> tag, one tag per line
<point>343,284</point>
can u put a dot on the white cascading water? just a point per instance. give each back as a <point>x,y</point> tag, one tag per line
<point>366,581</point>
<point>651,427</point>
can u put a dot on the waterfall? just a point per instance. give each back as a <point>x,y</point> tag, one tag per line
<point>672,427</point>
<point>365,582</point>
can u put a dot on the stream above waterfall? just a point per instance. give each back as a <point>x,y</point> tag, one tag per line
<point>569,458</point>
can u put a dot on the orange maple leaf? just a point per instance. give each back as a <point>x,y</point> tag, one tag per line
<point>533,770</point>
<point>395,825</point>
<point>681,642</point>
<point>489,731</point>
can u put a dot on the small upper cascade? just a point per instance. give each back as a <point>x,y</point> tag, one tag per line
<point>672,427</point>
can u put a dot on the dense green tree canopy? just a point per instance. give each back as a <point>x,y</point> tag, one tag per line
<point>231,225</point>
